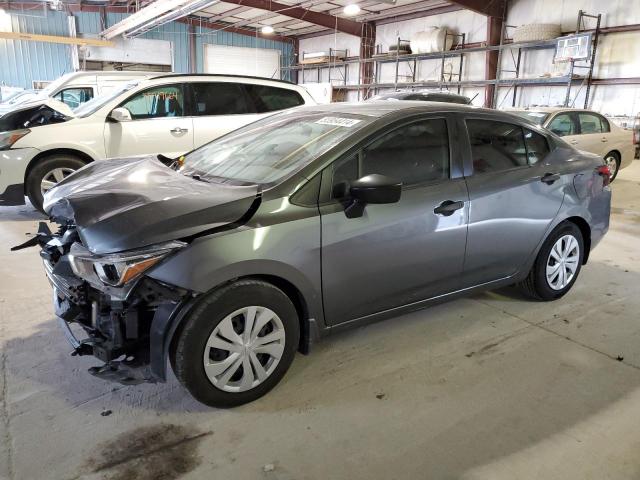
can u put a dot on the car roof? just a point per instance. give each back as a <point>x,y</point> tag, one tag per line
<point>549,109</point>
<point>380,108</point>
<point>199,76</point>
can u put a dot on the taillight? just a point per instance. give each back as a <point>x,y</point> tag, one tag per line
<point>605,173</point>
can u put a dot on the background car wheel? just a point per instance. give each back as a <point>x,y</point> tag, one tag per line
<point>558,264</point>
<point>612,159</point>
<point>47,173</point>
<point>237,344</point>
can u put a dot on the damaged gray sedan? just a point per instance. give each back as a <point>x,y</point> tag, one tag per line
<point>227,261</point>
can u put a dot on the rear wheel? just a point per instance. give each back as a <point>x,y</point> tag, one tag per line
<point>557,265</point>
<point>237,344</point>
<point>47,173</point>
<point>612,159</point>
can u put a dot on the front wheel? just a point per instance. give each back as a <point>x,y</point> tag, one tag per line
<point>47,173</point>
<point>557,265</point>
<point>237,343</point>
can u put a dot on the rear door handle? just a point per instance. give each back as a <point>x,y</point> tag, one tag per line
<point>604,139</point>
<point>550,178</point>
<point>447,208</point>
<point>573,142</point>
<point>179,130</point>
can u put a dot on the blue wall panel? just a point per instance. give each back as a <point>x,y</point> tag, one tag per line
<point>22,62</point>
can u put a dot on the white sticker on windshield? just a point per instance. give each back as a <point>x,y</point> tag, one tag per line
<point>338,121</point>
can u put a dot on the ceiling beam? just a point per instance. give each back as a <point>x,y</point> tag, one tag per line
<point>321,19</point>
<point>492,8</point>
<point>228,13</point>
<point>32,37</point>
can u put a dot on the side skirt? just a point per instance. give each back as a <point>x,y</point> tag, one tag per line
<point>419,305</point>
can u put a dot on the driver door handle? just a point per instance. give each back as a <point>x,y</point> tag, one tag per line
<point>179,130</point>
<point>447,208</point>
<point>550,178</point>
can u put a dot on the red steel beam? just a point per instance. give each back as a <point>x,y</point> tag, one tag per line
<point>317,18</point>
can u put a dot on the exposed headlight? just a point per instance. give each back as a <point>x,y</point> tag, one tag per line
<point>7,139</point>
<point>118,269</point>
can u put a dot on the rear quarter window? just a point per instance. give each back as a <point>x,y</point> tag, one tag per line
<point>270,99</point>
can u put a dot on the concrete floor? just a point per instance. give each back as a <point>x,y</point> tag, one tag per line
<point>490,387</point>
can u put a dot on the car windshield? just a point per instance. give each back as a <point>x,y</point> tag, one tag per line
<point>537,118</point>
<point>96,103</point>
<point>266,151</point>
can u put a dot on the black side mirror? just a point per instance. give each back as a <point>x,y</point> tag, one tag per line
<point>374,189</point>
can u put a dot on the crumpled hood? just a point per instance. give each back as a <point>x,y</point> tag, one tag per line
<point>129,203</point>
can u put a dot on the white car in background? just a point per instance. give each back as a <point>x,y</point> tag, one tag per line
<point>588,131</point>
<point>168,114</point>
<point>76,88</point>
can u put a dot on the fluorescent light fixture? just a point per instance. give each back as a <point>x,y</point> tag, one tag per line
<point>267,30</point>
<point>351,9</point>
<point>154,14</point>
<point>188,9</point>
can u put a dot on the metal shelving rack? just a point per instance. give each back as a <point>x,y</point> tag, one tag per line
<point>460,50</point>
<point>340,66</point>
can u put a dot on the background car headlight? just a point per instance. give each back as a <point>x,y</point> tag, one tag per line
<point>118,269</point>
<point>7,139</point>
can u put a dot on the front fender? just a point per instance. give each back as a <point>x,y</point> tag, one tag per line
<point>287,250</point>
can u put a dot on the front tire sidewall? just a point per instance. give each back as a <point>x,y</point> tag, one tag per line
<point>542,286</point>
<point>190,346</point>
<point>42,168</point>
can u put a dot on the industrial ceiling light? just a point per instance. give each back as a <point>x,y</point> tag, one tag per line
<point>189,8</point>
<point>267,30</point>
<point>351,9</point>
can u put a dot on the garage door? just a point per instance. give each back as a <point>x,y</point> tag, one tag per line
<point>259,62</point>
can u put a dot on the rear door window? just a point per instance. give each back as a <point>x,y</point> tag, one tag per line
<point>270,99</point>
<point>218,98</point>
<point>537,146</point>
<point>496,146</point>
<point>592,123</point>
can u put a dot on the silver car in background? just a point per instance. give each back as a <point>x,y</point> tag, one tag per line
<point>227,261</point>
<point>588,131</point>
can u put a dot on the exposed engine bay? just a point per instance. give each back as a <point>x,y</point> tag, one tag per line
<point>117,322</point>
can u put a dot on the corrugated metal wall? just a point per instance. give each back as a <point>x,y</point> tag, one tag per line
<point>22,62</point>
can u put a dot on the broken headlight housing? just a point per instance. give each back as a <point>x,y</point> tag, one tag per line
<point>118,269</point>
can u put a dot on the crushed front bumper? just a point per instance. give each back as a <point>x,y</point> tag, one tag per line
<point>132,336</point>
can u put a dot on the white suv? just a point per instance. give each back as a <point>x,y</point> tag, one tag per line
<point>168,114</point>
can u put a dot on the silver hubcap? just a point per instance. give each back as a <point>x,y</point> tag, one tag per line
<point>244,349</point>
<point>562,263</point>
<point>52,178</point>
<point>612,163</point>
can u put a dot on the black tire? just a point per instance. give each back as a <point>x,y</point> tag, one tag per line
<point>616,156</point>
<point>536,285</point>
<point>191,342</point>
<point>42,168</point>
